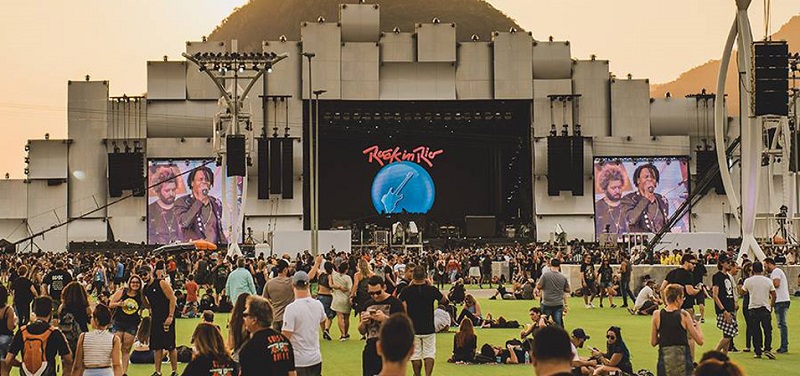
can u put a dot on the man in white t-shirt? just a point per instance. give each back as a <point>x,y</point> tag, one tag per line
<point>781,284</point>
<point>762,295</point>
<point>301,323</point>
<point>647,301</point>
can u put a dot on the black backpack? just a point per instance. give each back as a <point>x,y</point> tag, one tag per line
<point>71,330</point>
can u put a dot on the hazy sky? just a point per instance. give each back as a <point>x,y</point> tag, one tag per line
<point>46,43</point>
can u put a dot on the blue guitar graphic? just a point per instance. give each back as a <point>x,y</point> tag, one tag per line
<point>391,198</point>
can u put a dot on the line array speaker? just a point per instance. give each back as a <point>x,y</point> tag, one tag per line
<point>126,172</point>
<point>234,146</point>
<point>706,160</point>
<point>576,172</point>
<point>287,167</point>
<point>771,66</point>
<point>275,165</point>
<point>263,169</point>
<point>558,162</point>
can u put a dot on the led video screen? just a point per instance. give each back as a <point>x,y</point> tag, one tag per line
<point>638,195</point>
<point>185,201</point>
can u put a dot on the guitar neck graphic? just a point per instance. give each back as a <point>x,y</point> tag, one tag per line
<point>403,184</point>
<point>393,196</point>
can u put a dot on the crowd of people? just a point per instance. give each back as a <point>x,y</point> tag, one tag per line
<point>100,312</point>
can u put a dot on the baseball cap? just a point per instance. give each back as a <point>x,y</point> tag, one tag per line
<point>300,279</point>
<point>281,265</point>
<point>580,334</point>
<point>723,258</point>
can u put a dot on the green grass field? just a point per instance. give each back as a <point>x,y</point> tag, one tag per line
<point>344,358</point>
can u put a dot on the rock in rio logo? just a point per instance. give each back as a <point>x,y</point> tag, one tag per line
<point>419,155</point>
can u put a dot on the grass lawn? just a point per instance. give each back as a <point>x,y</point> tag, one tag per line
<point>344,358</point>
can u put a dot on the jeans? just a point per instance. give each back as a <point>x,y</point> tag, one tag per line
<point>781,308</point>
<point>748,326</point>
<point>625,290</point>
<point>315,370</point>
<point>556,312</point>
<point>761,320</point>
<point>476,321</point>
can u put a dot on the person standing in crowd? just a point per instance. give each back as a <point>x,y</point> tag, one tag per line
<point>747,271</point>
<point>98,351</point>
<point>670,331</point>
<point>606,288</point>
<point>554,285</point>
<point>395,345</point>
<point>8,321</point>
<point>588,283</point>
<point>762,297</point>
<point>625,279</point>
<point>24,293</point>
<point>210,357</point>
<point>359,294</point>
<point>268,352</point>
<point>342,285</point>
<point>237,333</point>
<point>162,302</point>
<point>683,276</point>
<point>278,292</point>
<point>551,352</point>
<point>301,323</point>
<point>127,303</point>
<point>219,275</point>
<point>379,307</point>
<point>724,303</point>
<point>418,300</point>
<point>325,296</point>
<point>73,314</point>
<point>190,310</point>
<point>39,336</point>
<point>781,284</point>
<point>699,273</point>
<point>55,281</point>
<point>240,281</point>
<point>486,271</point>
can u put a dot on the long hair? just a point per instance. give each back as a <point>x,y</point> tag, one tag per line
<point>466,330</point>
<point>236,325</point>
<point>143,333</point>
<point>620,342</point>
<point>139,293</point>
<point>74,296</point>
<point>363,268</point>
<point>469,300</point>
<point>208,342</point>
<point>714,367</point>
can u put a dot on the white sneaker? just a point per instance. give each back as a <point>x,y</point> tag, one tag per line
<point>588,306</point>
<point>591,305</point>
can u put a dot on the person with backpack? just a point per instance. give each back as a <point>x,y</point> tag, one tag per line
<point>39,343</point>
<point>73,314</point>
<point>98,351</point>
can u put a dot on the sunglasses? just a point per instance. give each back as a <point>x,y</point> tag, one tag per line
<point>611,337</point>
<point>245,314</point>
<point>375,293</point>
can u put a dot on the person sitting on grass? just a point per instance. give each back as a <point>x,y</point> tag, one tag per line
<point>647,301</point>
<point>502,292</point>
<point>465,342</point>
<point>617,357</point>
<point>538,321</point>
<point>471,310</point>
<point>208,302</point>
<point>141,345</point>
<point>457,292</point>
<point>500,323</point>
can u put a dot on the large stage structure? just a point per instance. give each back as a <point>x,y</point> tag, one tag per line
<point>411,122</point>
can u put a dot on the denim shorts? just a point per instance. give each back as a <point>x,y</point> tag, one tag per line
<point>326,301</point>
<point>124,327</point>
<point>5,343</point>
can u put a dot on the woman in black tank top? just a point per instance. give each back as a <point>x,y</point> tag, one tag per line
<point>670,330</point>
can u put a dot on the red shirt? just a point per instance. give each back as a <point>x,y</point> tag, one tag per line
<point>191,291</point>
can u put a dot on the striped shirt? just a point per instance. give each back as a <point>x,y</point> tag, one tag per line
<point>97,346</point>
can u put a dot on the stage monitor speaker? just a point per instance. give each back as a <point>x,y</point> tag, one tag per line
<point>771,67</point>
<point>706,160</point>
<point>287,167</point>
<point>263,169</point>
<point>558,161</point>
<point>275,165</point>
<point>235,149</point>
<point>480,226</point>
<point>576,166</point>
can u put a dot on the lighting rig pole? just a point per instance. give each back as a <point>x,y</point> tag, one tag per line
<point>315,173</point>
<point>312,168</point>
<point>217,66</point>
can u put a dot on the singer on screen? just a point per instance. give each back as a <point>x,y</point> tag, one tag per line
<point>645,210</point>
<point>200,215</point>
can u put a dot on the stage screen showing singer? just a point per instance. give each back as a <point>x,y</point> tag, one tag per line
<point>185,202</point>
<point>635,195</point>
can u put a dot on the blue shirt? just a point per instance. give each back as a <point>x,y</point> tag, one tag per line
<point>120,270</point>
<point>240,281</point>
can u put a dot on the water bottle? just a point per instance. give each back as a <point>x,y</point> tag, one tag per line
<point>527,358</point>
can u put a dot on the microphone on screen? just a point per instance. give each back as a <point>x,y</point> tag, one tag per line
<point>205,191</point>
<point>651,189</point>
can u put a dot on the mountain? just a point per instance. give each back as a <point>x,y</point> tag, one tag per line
<point>261,20</point>
<point>705,76</point>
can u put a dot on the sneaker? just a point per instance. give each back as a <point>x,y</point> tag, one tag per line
<point>601,305</point>
<point>174,373</point>
<point>632,312</point>
<point>757,356</point>
<point>782,351</point>
<point>342,339</point>
<point>733,350</point>
<point>702,321</point>
<point>769,355</point>
<point>588,306</point>
<point>613,306</point>
<point>326,335</point>
<point>591,305</point>
<point>746,349</point>
<point>624,306</point>
<point>156,374</point>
